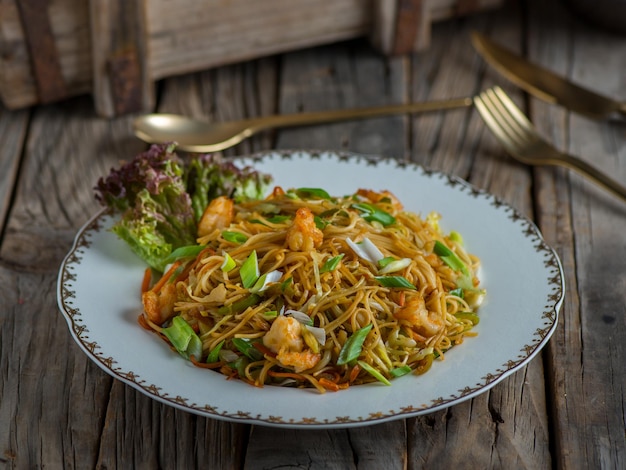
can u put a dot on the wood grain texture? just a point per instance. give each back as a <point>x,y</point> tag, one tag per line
<point>13,127</point>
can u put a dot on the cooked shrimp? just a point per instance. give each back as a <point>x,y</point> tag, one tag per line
<point>217,215</point>
<point>300,361</point>
<point>417,315</point>
<point>387,196</point>
<point>285,339</point>
<point>158,302</point>
<point>158,305</point>
<point>285,332</point>
<point>303,235</point>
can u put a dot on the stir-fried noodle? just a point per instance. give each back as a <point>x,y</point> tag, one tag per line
<point>307,290</point>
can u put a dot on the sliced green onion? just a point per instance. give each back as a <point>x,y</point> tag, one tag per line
<point>247,347</point>
<point>312,193</point>
<point>249,271</point>
<point>385,261</point>
<point>458,292</point>
<point>183,338</point>
<point>400,371</point>
<point>228,264</point>
<point>214,354</point>
<point>234,237</point>
<point>240,305</point>
<point>278,219</point>
<point>395,266</point>
<point>449,257</point>
<point>265,281</point>
<point>371,213</point>
<point>353,346</point>
<point>471,316</point>
<point>400,282</point>
<point>189,251</point>
<point>373,372</point>
<point>331,264</point>
<point>270,314</point>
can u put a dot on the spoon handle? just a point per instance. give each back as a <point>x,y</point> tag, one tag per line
<point>319,117</point>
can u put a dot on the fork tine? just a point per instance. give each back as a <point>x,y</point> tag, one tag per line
<point>492,115</point>
<point>518,132</point>
<point>516,115</point>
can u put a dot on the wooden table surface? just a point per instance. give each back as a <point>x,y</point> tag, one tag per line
<point>565,409</point>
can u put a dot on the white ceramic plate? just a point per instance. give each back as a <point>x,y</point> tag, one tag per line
<point>99,295</point>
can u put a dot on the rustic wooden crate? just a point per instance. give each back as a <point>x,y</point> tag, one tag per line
<point>117,49</point>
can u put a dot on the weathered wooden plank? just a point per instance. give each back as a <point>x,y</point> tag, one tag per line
<point>13,126</point>
<point>344,76</point>
<point>586,225</point>
<point>122,82</point>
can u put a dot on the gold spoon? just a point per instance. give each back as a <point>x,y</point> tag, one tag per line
<point>193,135</point>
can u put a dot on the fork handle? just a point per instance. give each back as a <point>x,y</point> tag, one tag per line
<point>593,173</point>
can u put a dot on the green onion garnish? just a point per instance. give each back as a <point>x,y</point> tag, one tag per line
<point>353,346</point>
<point>240,305</point>
<point>400,371</point>
<point>247,347</point>
<point>331,264</point>
<point>249,271</point>
<point>278,219</point>
<point>308,193</point>
<point>189,251</point>
<point>214,354</point>
<point>234,237</point>
<point>449,257</point>
<point>385,261</point>
<point>400,282</point>
<point>372,213</point>
<point>471,316</point>
<point>373,372</point>
<point>183,338</point>
<point>228,264</point>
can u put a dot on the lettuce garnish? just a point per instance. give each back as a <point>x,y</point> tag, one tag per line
<point>161,197</point>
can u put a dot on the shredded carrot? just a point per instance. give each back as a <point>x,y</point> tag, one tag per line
<point>147,278</point>
<point>402,299</point>
<point>354,373</point>
<point>161,282</point>
<point>328,385</point>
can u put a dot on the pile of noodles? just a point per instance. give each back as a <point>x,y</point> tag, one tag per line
<point>324,295</point>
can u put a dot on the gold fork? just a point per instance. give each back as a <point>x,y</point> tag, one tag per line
<point>520,138</point>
